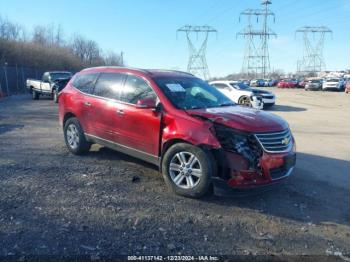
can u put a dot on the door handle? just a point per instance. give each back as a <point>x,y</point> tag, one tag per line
<point>120,112</point>
<point>87,104</point>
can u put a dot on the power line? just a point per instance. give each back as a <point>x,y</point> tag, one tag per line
<point>197,63</point>
<point>257,59</point>
<point>313,60</point>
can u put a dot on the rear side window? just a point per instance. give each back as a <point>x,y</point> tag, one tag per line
<point>109,85</point>
<point>135,89</point>
<point>221,86</point>
<point>85,83</point>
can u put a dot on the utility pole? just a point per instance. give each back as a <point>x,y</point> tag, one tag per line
<point>122,58</point>
<point>197,63</point>
<point>313,60</point>
<point>257,59</point>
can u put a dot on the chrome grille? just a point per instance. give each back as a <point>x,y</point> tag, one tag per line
<point>275,142</point>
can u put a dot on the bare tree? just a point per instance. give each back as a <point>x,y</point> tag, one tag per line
<point>113,59</point>
<point>47,48</point>
<point>40,35</point>
<point>9,31</point>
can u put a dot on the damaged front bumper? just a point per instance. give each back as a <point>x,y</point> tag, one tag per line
<point>273,169</point>
<point>254,160</point>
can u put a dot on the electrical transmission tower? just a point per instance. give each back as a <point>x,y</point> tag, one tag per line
<point>256,58</point>
<point>197,63</point>
<point>312,61</point>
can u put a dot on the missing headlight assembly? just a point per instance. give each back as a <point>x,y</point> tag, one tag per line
<point>240,143</point>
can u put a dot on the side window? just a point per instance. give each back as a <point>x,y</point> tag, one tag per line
<point>135,89</point>
<point>109,85</point>
<point>222,86</point>
<point>46,77</point>
<point>85,83</point>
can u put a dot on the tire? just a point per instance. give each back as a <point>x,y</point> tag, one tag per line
<point>244,101</point>
<point>75,138</point>
<point>35,95</point>
<point>55,96</point>
<point>181,179</point>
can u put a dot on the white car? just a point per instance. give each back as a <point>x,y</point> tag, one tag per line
<point>333,84</point>
<point>241,93</point>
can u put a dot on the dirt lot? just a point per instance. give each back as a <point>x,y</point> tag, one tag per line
<point>52,202</point>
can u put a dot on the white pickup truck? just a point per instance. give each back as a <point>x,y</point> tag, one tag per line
<point>50,84</point>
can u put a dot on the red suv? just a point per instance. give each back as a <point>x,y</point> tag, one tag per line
<point>192,132</point>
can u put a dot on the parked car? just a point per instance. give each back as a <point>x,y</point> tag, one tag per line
<point>47,86</point>
<point>195,135</point>
<point>347,88</point>
<point>286,83</point>
<point>241,93</point>
<point>302,83</point>
<point>333,84</point>
<point>245,81</point>
<point>257,83</point>
<point>58,86</point>
<point>269,82</point>
<point>313,85</point>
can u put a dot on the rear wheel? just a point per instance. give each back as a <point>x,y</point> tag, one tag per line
<point>35,95</point>
<point>75,138</point>
<point>55,96</point>
<point>188,170</point>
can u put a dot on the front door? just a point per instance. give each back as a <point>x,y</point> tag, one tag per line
<point>139,127</point>
<point>45,86</point>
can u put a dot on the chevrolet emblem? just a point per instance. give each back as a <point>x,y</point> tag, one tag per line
<point>285,141</point>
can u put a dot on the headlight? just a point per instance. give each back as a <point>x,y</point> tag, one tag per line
<point>241,143</point>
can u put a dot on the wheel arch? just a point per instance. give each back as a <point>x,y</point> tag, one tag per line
<point>168,144</point>
<point>67,116</point>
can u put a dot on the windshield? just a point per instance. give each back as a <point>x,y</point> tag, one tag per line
<point>192,93</point>
<point>240,86</point>
<point>333,80</point>
<point>55,76</point>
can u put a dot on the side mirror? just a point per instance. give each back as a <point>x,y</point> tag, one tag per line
<point>148,102</point>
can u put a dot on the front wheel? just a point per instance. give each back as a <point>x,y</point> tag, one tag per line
<point>244,101</point>
<point>188,170</point>
<point>75,138</point>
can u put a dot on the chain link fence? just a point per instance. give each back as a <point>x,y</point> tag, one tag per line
<point>13,79</point>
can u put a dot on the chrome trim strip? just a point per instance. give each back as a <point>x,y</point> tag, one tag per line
<point>274,138</point>
<point>272,133</point>
<point>286,175</point>
<point>268,148</point>
<point>128,150</point>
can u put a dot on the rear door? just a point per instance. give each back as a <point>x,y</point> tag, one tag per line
<point>83,99</point>
<point>105,118</point>
<point>139,127</point>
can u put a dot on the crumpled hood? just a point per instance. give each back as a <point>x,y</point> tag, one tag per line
<point>242,118</point>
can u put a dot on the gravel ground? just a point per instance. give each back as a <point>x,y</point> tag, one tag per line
<point>105,203</point>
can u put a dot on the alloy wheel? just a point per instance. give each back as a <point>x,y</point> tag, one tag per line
<point>73,136</point>
<point>244,101</point>
<point>185,170</point>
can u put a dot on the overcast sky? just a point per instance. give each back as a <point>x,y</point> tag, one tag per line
<point>146,30</point>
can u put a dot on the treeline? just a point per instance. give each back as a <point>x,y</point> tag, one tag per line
<point>47,48</point>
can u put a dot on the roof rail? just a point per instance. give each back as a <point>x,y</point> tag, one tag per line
<point>114,67</point>
<point>147,71</point>
<point>150,71</point>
